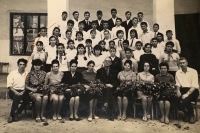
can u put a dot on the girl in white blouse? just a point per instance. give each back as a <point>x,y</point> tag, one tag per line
<point>70,50</point>
<point>61,57</point>
<point>79,39</point>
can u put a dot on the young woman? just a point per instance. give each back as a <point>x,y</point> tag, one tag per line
<point>104,52</point>
<point>145,76</point>
<point>35,78</point>
<point>79,39</point>
<point>53,79</point>
<point>133,39</point>
<point>70,78</point>
<point>126,76</point>
<point>88,76</point>
<point>56,33</point>
<point>70,50</point>
<point>61,57</point>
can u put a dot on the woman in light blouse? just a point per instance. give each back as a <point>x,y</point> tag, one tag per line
<point>145,76</point>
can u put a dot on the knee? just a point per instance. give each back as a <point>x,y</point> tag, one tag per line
<point>72,99</point>
<point>77,98</point>
<point>37,98</point>
<point>118,98</point>
<point>144,99</point>
<point>45,98</point>
<point>160,102</point>
<point>125,98</point>
<point>61,97</point>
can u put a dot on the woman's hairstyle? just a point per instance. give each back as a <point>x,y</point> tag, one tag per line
<point>72,62</point>
<point>22,60</point>
<point>102,41</point>
<point>119,31</point>
<point>144,23</point>
<point>139,43</point>
<point>54,62</point>
<point>55,29</point>
<point>79,32</point>
<point>39,42</point>
<point>169,43</point>
<point>126,42</point>
<point>147,44</point>
<point>111,42</point>
<point>161,35</point>
<point>97,47</point>
<point>60,44</point>
<point>36,62</point>
<point>93,31</point>
<point>150,65</point>
<point>79,46</point>
<point>88,41</point>
<point>164,64</point>
<point>90,62</point>
<point>136,35</point>
<point>55,39</point>
<point>129,62</point>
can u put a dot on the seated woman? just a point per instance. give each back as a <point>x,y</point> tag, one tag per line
<point>35,78</point>
<point>70,78</point>
<point>145,76</point>
<point>126,76</point>
<point>53,79</point>
<point>88,76</point>
<point>164,104</point>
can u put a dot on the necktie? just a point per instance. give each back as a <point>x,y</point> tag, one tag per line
<point>120,43</point>
<point>132,42</point>
<point>60,59</point>
<point>89,52</point>
<point>155,34</point>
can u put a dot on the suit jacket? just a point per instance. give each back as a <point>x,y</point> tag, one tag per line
<point>99,27</point>
<point>87,27</point>
<point>111,78</point>
<point>68,79</point>
<point>116,64</point>
<point>111,24</point>
<point>127,27</point>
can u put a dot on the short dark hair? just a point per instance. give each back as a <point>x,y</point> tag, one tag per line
<point>101,42</point>
<point>140,13</point>
<point>68,31</point>
<point>113,10</point>
<point>146,46</point>
<point>70,41</point>
<point>183,58</point>
<point>70,22</point>
<point>64,12</point>
<point>164,64</point>
<point>129,62</point>
<point>168,31</point>
<point>99,12</point>
<point>79,32</point>
<point>119,31</point>
<point>161,35</point>
<point>22,60</point>
<point>75,12</point>
<point>134,18</point>
<point>119,19</point>
<point>88,41</point>
<point>144,23</point>
<point>43,28</point>
<point>90,62</point>
<point>55,62</point>
<point>36,62</point>
<point>113,48</point>
<point>127,12</point>
<point>139,42</point>
<point>154,39</point>
<point>94,22</point>
<point>111,41</point>
<point>126,41</point>
<point>156,25</point>
<point>169,43</point>
<point>136,35</point>
<point>128,49</point>
<point>105,21</point>
<point>97,47</point>
<point>93,31</point>
<point>81,22</point>
<point>41,43</point>
<point>79,46</point>
<point>86,13</point>
<point>72,62</point>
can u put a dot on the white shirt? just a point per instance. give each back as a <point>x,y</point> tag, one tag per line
<point>133,43</point>
<point>115,29</point>
<point>76,43</point>
<point>75,24</point>
<point>117,44</point>
<point>188,79</point>
<point>51,54</point>
<point>107,43</point>
<point>16,80</point>
<point>98,34</point>
<point>63,35</point>
<point>95,42</point>
<point>176,45</point>
<point>138,29</point>
<point>127,21</point>
<point>137,54</point>
<point>99,21</point>
<point>63,65</point>
<point>157,52</point>
<point>161,45</point>
<point>146,37</point>
<point>114,20</point>
<point>81,61</point>
<point>98,61</point>
<point>45,41</point>
<point>62,25</point>
<point>148,27</point>
<point>70,54</point>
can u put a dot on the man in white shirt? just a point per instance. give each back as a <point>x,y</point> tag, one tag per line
<point>112,21</point>
<point>155,49</point>
<point>138,52</point>
<point>75,19</point>
<point>156,29</point>
<point>128,23</point>
<point>94,27</point>
<point>62,24</point>
<point>161,43</point>
<point>146,35</point>
<point>187,89</point>
<point>135,26</point>
<point>16,86</point>
<point>105,28</point>
<point>140,16</point>
<point>118,27</point>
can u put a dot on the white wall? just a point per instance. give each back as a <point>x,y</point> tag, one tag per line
<point>186,6</point>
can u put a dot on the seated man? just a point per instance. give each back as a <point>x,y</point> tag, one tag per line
<point>16,86</point>
<point>109,78</point>
<point>187,89</point>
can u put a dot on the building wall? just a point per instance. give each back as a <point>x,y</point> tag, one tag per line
<point>186,6</point>
<point>18,6</point>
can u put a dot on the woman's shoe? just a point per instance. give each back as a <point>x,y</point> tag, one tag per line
<point>148,116</point>
<point>71,119</point>
<point>59,118</point>
<point>123,118</point>
<point>54,118</point>
<point>144,118</point>
<point>95,117</point>
<point>78,119</point>
<point>43,119</point>
<point>119,118</point>
<point>89,119</point>
<point>37,120</point>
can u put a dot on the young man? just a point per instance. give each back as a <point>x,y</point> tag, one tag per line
<point>16,86</point>
<point>155,29</point>
<point>139,51</point>
<point>112,45</point>
<point>146,35</point>
<point>119,40</point>
<point>187,89</point>
<point>94,38</point>
<point>81,28</point>
<point>94,27</point>
<point>75,19</point>
<point>140,16</point>
<point>135,26</point>
<point>70,25</point>
<point>86,22</point>
<point>117,28</point>
<point>161,43</point>
<point>122,51</point>
<point>99,21</point>
<point>155,49</point>
<point>62,24</point>
<point>116,61</point>
<point>112,21</point>
<point>176,47</point>
<point>105,27</point>
<point>128,23</point>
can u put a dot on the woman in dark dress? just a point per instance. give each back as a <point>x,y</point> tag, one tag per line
<point>70,78</point>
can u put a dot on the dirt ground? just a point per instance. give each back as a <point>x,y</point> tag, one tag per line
<point>102,125</point>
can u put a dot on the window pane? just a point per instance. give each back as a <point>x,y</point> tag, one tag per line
<point>32,21</point>
<point>30,46</point>
<point>18,21</point>
<point>30,39</point>
<point>43,21</point>
<point>18,46</point>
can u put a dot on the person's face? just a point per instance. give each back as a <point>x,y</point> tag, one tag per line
<point>125,45</point>
<point>148,49</point>
<point>128,16</point>
<point>97,52</point>
<point>39,47</point>
<point>21,66</point>
<point>163,69</point>
<point>134,21</point>
<point>107,62</point>
<point>55,67</point>
<point>113,13</point>
<point>79,37</point>
<point>155,28</point>
<point>70,26</point>
<point>140,17</point>
<point>43,32</point>
<point>93,34</point>
<point>87,16</point>
<point>144,27</point>
<point>111,45</point>
<point>80,50</point>
<point>146,67</point>
<point>121,35</point>
<point>118,22</point>
<point>36,67</point>
<point>183,64</point>
<point>169,35</point>
<point>56,32</point>
<point>60,49</point>
<point>76,15</point>
<point>99,16</point>
<point>132,34</point>
<point>68,35</point>
<point>73,67</point>
<point>112,52</point>
<point>71,45</point>
<point>127,67</point>
<point>128,54</point>
<point>138,46</point>
<point>154,43</point>
<point>81,26</point>
<point>169,48</point>
<point>159,37</point>
<point>106,35</point>
<point>102,45</point>
<point>91,67</point>
<point>105,25</point>
<point>88,44</point>
<point>94,26</point>
<point>53,41</point>
<point>64,16</point>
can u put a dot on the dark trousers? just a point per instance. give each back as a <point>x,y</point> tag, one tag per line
<point>109,98</point>
<point>16,100</point>
<point>186,103</point>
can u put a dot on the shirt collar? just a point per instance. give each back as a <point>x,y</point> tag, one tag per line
<point>165,74</point>
<point>20,73</point>
<point>148,74</point>
<point>188,70</point>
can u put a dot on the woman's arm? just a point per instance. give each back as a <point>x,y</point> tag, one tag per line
<point>46,81</point>
<point>27,83</point>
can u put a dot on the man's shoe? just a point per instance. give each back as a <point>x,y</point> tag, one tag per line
<point>185,119</point>
<point>10,119</point>
<point>192,120</point>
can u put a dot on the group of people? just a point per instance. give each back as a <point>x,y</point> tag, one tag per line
<point>111,51</point>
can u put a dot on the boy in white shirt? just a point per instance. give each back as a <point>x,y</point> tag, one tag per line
<point>140,16</point>
<point>112,45</point>
<point>146,35</point>
<point>75,19</point>
<point>105,28</point>
<point>94,38</point>
<point>118,27</point>
<point>138,51</point>
<point>94,27</point>
<point>62,24</point>
<point>107,38</point>
<point>161,43</point>
<point>135,26</point>
<point>155,49</point>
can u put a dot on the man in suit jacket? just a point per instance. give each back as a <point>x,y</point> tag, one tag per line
<point>109,77</point>
<point>156,29</point>
<point>86,22</point>
<point>112,20</point>
<point>116,61</point>
<point>128,23</point>
<point>99,20</point>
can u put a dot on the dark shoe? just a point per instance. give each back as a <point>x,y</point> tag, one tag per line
<point>16,119</point>
<point>10,119</point>
<point>78,119</point>
<point>185,119</point>
<point>71,119</point>
<point>192,120</point>
<point>111,117</point>
<point>104,109</point>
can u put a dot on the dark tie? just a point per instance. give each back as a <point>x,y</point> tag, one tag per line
<point>155,34</point>
<point>132,42</point>
<point>120,43</point>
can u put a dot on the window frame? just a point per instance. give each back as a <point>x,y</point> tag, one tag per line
<point>25,31</point>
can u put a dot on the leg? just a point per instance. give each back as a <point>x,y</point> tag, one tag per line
<point>60,103</point>
<point>94,107</point>
<point>76,105</point>
<point>144,105</point>
<point>16,101</point>
<point>54,97</point>
<point>125,105</point>
<point>44,104</point>
<point>91,103</point>
<point>71,107</point>
<point>37,105</point>
<point>167,108</point>
<point>161,104</point>
<point>119,102</point>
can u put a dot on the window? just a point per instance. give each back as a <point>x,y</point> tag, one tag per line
<point>24,28</point>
